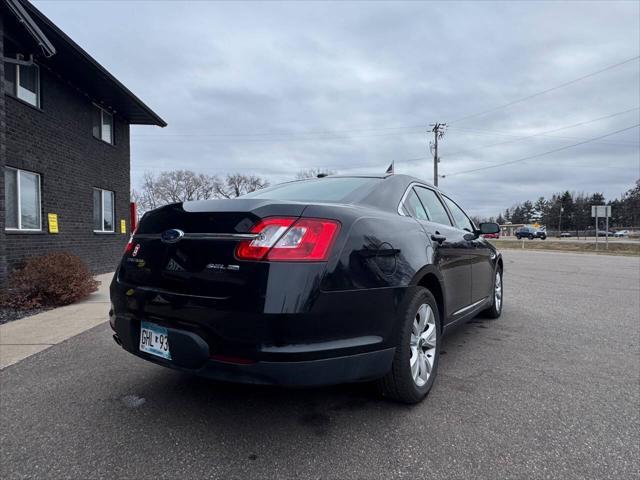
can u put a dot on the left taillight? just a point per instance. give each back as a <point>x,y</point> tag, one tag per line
<point>130,244</point>
<point>285,239</point>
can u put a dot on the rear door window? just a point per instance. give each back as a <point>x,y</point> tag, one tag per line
<point>413,207</point>
<point>433,206</point>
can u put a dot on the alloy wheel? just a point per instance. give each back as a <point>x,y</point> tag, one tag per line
<point>423,345</point>
<point>498,291</point>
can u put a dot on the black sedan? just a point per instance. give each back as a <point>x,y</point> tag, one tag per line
<point>314,282</point>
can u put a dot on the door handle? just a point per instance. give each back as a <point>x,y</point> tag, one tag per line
<point>436,237</point>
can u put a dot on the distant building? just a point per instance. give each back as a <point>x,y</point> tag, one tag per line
<point>64,145</point>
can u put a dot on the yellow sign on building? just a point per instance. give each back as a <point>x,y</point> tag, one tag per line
<point>123,226</point>
<point>53,222</point>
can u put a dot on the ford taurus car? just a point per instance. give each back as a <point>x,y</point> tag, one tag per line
<point>313,282</point>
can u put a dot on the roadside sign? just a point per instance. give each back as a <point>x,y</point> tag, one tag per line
<point>598,211</point>
<point>601,211</point>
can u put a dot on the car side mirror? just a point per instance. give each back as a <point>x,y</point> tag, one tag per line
<point>489,227</point>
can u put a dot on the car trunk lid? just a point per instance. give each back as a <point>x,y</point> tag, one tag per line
<point>189,248</point>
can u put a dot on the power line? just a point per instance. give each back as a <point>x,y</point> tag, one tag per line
<point>544,133</point>
<point>277,140</point>
<point>495,165</point>
<point>413,127</point>
<point>488,133</point>
<point>533,95</point>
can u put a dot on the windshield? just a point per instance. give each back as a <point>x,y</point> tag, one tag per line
<point>338,189</point>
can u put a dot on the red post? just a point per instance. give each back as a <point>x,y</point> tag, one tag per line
<point>133,211</point>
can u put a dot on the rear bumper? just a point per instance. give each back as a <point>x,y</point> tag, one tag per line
<point>190,353</point>
<point>306,338</point>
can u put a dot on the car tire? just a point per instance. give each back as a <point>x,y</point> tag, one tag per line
<point>404,382</point>
<point>518,237</point>
<point>495,310</point>
<point>543,237</point>
<point>531,236</point>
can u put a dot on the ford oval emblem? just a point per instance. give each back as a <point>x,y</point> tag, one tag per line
<point>171,236</point>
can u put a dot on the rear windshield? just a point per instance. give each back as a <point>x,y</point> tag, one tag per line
<point>339,189</point>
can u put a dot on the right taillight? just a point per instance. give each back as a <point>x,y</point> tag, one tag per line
<point>285,239</point>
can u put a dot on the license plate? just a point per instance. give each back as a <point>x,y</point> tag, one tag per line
<point>154,339</point>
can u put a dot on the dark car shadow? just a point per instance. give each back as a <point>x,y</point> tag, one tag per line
<point>167,385</point>
<point>200,409</point>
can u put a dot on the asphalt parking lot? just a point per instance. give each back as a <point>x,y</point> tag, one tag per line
<point>550,390</point>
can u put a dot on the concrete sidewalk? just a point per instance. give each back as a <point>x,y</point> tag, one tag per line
<point>22,338</point>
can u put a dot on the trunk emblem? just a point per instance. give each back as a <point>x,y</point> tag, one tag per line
<point>171,236</point>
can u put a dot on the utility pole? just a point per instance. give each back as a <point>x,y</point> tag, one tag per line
<point>560,221</point>
<point>438,130</point>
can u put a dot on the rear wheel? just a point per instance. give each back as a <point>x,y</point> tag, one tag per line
<point>495,310</point>
<point>415,363</point>
<point>531,236</point>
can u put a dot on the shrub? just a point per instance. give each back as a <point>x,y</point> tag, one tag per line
<point>53,279</point>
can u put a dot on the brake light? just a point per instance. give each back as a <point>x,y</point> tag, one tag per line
<point>129,247</point>
<point>287,240</point>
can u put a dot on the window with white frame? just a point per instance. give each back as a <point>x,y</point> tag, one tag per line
<point>23,81</point>
<point>102,124</point>
<point>103,213</point>
<point>22,200</point>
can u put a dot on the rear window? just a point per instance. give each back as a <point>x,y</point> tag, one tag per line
<point>339,189</point>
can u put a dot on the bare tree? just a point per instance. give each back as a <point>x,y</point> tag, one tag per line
<point>238,184</point>
<point>313,173</point>
<point>174,186</point>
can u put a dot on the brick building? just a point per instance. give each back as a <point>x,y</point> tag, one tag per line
<point>64,145</point>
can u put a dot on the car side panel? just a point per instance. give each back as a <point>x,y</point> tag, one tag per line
<point>482,270</point>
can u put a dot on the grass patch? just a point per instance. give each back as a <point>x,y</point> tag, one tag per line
<point>568,246</point>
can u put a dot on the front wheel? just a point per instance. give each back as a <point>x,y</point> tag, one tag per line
<point>495,310</point>
<point>415,363</point>
<point>530,236</point>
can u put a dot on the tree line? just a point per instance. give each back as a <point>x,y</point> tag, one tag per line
<point>572,211</point>
<point>174,186</point>
<point>158,189</point>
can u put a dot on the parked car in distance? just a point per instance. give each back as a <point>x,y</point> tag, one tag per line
<point>621,233</point>
<point>566,235</point>
<point>530,233</point>
<point>312,282</point>
<point>491,235</point>
<point>605,233</point>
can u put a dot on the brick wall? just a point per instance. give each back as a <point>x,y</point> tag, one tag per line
<point>2,152</point>
<point>56,141</point>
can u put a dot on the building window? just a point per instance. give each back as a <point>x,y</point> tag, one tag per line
<point>22,200</point>
<point>23,81</point>
<point>103,214</point>
<point>102,125</point>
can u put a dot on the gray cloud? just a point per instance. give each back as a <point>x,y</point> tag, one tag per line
<point>271,88</point>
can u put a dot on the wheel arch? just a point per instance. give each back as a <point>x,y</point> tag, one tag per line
<point>431,279</point>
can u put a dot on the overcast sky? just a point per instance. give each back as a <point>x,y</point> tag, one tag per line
<point>272,88</point>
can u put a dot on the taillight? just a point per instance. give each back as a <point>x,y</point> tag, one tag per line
<point>129,247</point>
<point>286,240</point>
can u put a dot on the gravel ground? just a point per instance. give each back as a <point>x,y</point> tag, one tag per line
<point>550,390</point>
